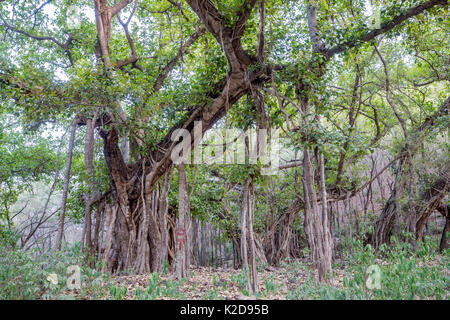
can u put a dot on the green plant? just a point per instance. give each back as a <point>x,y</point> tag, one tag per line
<point>118,293</point>
<point>270,286</point>
<point>157,288</point>
<point>214,280</point>
<point>241,279</point>
<point>402,276</point>
<point>212,294</point>
<point>23,274</point>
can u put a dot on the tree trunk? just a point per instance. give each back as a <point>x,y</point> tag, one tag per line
<point>318,231</point>
<point>247,238</point>
<point>384,224</point>
<point>163,213</point>
<point>251,237</point>
<point>195,245</point>
<point>181,267</point>
<point>390,215</point>
<point>66,183</point>
<point>327,239</point>
<point>443,245</point>
<point>430,201</point>
<point>280,250</point>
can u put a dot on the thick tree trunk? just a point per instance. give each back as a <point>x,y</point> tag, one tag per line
<point>111,212</point>
<point>92,196</point>
<point>248,253</point>
<point>138,237</point>
<point>390,216</point>
<point>318,234</point>
<point>252,238</point>
<point>385,223</point>
<point>95,249</point>
<point>244,244</point>
<point>430,201</point>
<point>281,248</point>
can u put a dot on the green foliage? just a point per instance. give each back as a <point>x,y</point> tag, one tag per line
<point>212,294</point>
<point>214,280</point>
<point>404,275</point>
<point>25,157</point>
<point>157,288</point>
<point>270,286</point>
<point>23,275</point>
<point>241,280</point>
<point>117,293</point>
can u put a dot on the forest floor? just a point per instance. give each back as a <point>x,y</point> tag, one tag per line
<point>222,283</point>
<point>207,283</point>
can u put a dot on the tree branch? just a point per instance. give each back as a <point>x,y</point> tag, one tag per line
<point>64,46</point>
<point>119,6</point>
<point>243,15</point>
<point>172,63</point>
<point>385,27</point>
<point>210,16</point>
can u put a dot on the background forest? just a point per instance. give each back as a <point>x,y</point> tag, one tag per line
<point>94,95</point>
